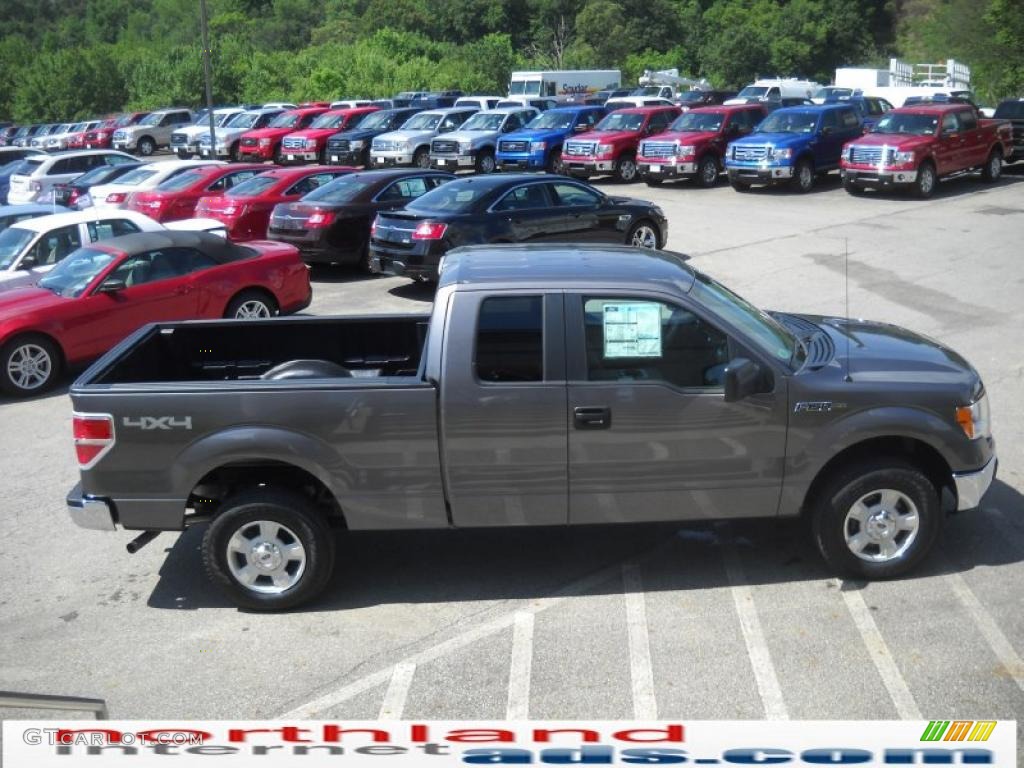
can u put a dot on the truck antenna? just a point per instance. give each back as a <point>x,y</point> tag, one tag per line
<point>846,290</point>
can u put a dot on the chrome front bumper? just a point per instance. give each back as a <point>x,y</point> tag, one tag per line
<point>89,511</point>
<point>971,486</point>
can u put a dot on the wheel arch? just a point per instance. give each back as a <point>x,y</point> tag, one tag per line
<point>262,289</point>
<point>30,332</point>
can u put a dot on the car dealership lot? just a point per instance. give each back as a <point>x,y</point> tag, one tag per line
<point>735,620</point>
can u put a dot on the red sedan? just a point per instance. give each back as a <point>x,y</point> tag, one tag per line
<point>245,209</point>
<point>99,294</point>
<point>177,197</point>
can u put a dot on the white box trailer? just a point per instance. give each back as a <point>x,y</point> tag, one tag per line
<point>566,82</point>
<point>903,80</point>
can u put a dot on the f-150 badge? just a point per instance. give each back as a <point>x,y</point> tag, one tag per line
<point>817,406</point>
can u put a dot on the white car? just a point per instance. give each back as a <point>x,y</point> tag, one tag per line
<point>37,175</point>
<point>56,142</point>
<point>39,140</point>
<point>229,138</point>
<point>185,141</point>
<point>31,248</point>
<point>145,177</point>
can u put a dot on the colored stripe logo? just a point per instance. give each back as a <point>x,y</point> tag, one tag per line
<point>958,730</point>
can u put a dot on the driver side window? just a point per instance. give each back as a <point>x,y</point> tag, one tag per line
<point>949,123</point>
<point>638,339</point>
<point>54,246</point>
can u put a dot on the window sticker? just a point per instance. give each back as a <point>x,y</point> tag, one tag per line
<point>632,329</point>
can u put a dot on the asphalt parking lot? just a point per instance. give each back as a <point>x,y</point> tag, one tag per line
<point>724,621</point>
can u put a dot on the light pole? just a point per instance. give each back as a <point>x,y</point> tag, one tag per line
<point>204,24</point>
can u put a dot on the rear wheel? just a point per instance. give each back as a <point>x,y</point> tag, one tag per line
<point>251,305</point>
<point>707,171</point>
<point>924,187</point>
<point>803,176</point>
<point>625,169</point>
<point>28,365</point>
<point>993,166</point>
<point>269,550</point>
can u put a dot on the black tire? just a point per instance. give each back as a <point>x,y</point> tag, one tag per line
<point>245,306</point>
<point>40,354</point>
<point>182,154</point>
<point>653,181</point>
<point>485,161</point>
<point>421,158</point>
<point>322,157</point>
<point>365,159</point>
<point>993,166</point>
<point>234,154</point>
<point>555,162</point>
<point>707,171</point>
<point>803,175</point>
<point>739,186</point>
<point>926,182</point>
<point>852,188</point>
<point>836,499</point>
<point>645,234</point>
<point>294,520</point>
<point>278,158</point>
<point>146,146</point>
<point>625,169</point>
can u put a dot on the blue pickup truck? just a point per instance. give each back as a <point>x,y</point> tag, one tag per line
<point>792,146</point>
<point>538,146</point>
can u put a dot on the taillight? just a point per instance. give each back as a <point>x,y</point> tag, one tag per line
<point>320,219</point>
<point>429,230</point>
<point>73,197</point>
<point>116,197</point>
<point>94,436</point>
<point>373,228</point>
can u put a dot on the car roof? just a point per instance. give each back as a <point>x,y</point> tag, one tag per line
<point>727,108</point>
<point>931,108</point>
<point>645,110</point>
<point>214,246</point>
<point>39,210</point>
<point>46,223</point>
<point>548,266</point>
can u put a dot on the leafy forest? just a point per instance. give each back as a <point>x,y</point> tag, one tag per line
<point>73,58</point>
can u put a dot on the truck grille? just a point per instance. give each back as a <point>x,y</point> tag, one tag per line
<point>120,135</point>
<point>294,143</point>
<point>513,146</point>
<point>91,136</point>
<point>658,149</point>
<point>178,139</point>
<point>249,142</point>
<point>749,152</point>
<point>338,145</point>
<point>444,147</point>
<point>386,146</point>
<point>579,148</point>
<point>867,155</point>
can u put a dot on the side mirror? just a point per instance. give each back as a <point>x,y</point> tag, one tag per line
<point>826,130</point>
<point>111,285</point>
<point>741,379</point>
<point>28,262</point>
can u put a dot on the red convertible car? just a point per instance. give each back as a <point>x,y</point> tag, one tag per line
<point>245,209</point>
<point>101,293</point>
<point>176,197</point>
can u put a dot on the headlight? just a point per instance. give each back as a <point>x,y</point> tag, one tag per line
<point>310,143</point>
<point>538,146</point>
<point>409,146</point>
<point>685,150</point>
<point>780,154</point>
<point>355,144</point>
<point>465,147</point>
<point>266,142</point>
<point>848,154</point>
<point>605,149</point>
<point>974,419</point>
<point>903,157</point>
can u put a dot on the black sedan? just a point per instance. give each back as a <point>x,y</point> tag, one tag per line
<point>331,225</point>
<point>507,208</point>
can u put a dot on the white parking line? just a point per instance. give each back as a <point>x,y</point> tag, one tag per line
<point>645,706</point>
<point>983,620</point>
<point>879,652</point>
<point>522,662</point>
<point>757,649</point>
<point>398,691</point>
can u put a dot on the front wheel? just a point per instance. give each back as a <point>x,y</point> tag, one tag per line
<point>269,550</point>
<point>924,187</point>
<point>877,519</point>
<point>235,154</point>
<point>251,305</point>
<point>803,178</point>
<point>739,186</point>
<point>146,146</point>
<point>485,161</point>
<point>644,235</point>
<point>555,164</point>
<point>625,169</point>
<point>28,365</point>
<point>707,172</point>
<point>421,159</point>
<point>851,188</point>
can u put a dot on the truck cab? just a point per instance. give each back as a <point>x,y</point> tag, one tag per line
<point>792,146</point>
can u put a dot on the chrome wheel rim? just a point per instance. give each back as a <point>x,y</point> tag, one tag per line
<point>995,166</point>
<point>645,237</point>
<point>146,147</point>
<point>927,180</point>
<point>266,557</point>
<point>29,367</point>
<point>881,525</point>
<point>487,164</point>
<point>710,172</point>
<point>253,309</point>
<point>423,160</point>
<point>806,176</point>
<point>627,170</point>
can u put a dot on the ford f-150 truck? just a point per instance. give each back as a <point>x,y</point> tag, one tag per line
<point>694,145</point>
<point>352,147</point>
<point>310,144</point>
<point>473,145</point>
<point>538,146</point>
<point>152,132</point>
<point>552,385</point>
<point>792,146</point>
<point>411,144</point>
<point>914,147</point>
<point>611,147</point>
<point>1013,111</point>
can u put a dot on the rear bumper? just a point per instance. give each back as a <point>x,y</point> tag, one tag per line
<point>766,175</point>
<point>876,178</point>
<point>402,263</point>
<point>90,512</point>
<point>972,486</point>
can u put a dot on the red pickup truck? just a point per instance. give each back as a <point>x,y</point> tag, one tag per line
<point>265,143</point>
<point>310,145</point>
<point>610,148</point>
<point>914,147</point>
<point>694,145</point>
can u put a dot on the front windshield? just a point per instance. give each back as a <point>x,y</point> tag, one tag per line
<point>328,120</point>
<point>915,125</point>
<point>424,121</point>
<point>517,88</point>
<point>789,122</point>
<point>482,121</point>
<point>286,120</point>
<point>139,175</point>
<point>832,93</point>
<point>244,120</point>
<point>698,121</point>
<point>341,190</point>
<point>222,119</point>
<point>73,274</point>
<point>621,121</point>
<point>1010,110</point>
<point>12,242</point>
<point>552,120</point>
<point>691,96</point>
<point>123,120</point>
<point>752,92</point>
<point>151,119</point>
<point>760,327</point>
<point>375,120</point>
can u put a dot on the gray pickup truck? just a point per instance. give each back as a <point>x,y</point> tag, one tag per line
<point>552,385</point>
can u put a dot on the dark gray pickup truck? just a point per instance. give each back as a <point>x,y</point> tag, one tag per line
<point>551,386</point>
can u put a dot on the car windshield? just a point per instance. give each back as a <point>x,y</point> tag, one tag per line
<point>1010,110</point>
<point>286,120</point>
<point>752,92</point>
<point>93,177</point>
<point>222,119</point>
<point>9,168</point>
<point>647,90</point>
<point>760,327</point>
<point>243,120</point>
<point>13,241</point>
<point>151,119</point>
<point>915,125</point>
<point>123,120</point>
<point>375,120</point>
<point>73,274</point>
<point>139,175</point>
<point>621,121</point>
<point>257,185</point>
<point>181,181</point>
<point>424,121</point>
<point>482,121</point>
<point>454,197</point>
<point>698,121</point>
<point>341,190</point>
<point>691,96</point>
<point>832,93</point>
<point>789,122</point>
<point>556,120</point>
<point>328,120</point>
